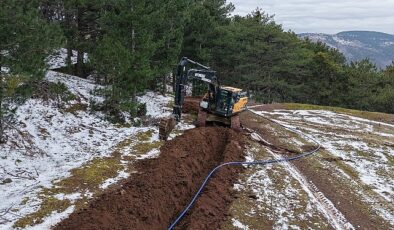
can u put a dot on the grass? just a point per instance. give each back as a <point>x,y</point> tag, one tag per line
<point>144,136</point>
<point>265,215</point>
<point>244,204</point>
<point>93,174</point>
<point>84,180</point>
<point>49,205</point>
<point>75,108</point>
<point>170,104</point>
<point>87,179</point>
<point>389,158</point>
<point>376,116</point>
<point>142,148</point>
<point>340,175</point>
<point>348,170</point>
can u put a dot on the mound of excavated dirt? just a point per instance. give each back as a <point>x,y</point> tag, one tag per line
<point>191,105</point>
<point>154,197</point>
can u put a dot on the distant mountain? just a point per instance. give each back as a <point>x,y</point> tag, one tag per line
<point>357,45</point>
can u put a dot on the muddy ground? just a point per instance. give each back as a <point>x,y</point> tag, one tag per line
<point>159,190</point>
<point>337,190</point>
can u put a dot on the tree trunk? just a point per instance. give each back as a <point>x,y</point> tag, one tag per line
<point>1,110</point>
<point>173,83</point>
<point>133,41</point>
<point>79,66</point>
<point>134,96</point>
<point>164,91</point>
<point>69,55</point>
<point>69,45</point>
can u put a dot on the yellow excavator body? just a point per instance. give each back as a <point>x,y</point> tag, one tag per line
<point>221,103</point>
<point>240,105</point>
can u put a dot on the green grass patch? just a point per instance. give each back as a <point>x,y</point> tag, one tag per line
<point>376,116</point>
<point>123,125</point>
<point>144,136</point>
<point>390,159</point>
<point>170,104</point>
<point>87,179</point>
<point>340,164</point>
<point>142,148</point>
<point>75,108</point>
<point>25,200</point>
<point>48,206</point>
<point>189,118</point>
<point>94,173</point>
<point>84,180</point>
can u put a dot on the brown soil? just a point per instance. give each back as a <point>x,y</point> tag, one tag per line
<point>191,105</point>
<point>345,199</point>
<point>153,197</point>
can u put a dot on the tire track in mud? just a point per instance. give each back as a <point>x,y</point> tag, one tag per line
<point>153,197</point>
<point>331,190</point>
<point>333,215</point>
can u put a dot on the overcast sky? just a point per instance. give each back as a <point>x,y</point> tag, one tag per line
<point>325,16</point>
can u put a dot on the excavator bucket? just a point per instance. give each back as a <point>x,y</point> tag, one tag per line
<point>166,125</point>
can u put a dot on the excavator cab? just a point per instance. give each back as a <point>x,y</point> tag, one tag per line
<point>222,105</point>
<point>227,102</point>
<point>231,101</point>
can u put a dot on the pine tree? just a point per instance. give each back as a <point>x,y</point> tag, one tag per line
<point>202,28</point>
<point>168,26</point>
<point>79,20</point>
<point>25,41</point>
<point>127,30</point>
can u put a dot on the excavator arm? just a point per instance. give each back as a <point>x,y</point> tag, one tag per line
<point>183,74</point>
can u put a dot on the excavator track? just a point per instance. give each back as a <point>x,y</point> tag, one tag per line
<point>236,123</point>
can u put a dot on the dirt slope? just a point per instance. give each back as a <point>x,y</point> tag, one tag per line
<point>191,105</point>
<point>153,197</point>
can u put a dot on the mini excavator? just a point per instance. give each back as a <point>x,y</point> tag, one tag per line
<point>220,104</point>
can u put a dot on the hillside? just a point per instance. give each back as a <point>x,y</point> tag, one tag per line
<point>85,87</point>
<point>55,156</point>
<point>358,45</point>
<point>57,160</point>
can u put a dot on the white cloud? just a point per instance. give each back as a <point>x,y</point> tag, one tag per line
<point>325,16</point>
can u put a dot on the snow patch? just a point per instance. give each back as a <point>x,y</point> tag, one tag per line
<point>59,58</point>
<point>156,105</point>
<point>353,138</point>
<point>239,225</point>
<point>151,154</point>
<point>48,142</point>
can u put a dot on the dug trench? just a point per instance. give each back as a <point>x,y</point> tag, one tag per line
<point>163,186</point>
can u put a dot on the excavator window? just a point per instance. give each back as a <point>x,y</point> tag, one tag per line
<point>223,103</point>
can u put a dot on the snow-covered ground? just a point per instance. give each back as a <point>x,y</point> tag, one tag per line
<point>366,146</point>
<point>156,105</point>
<point>58,59</point>
<point>282,196</point>
<point>47,142</point>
